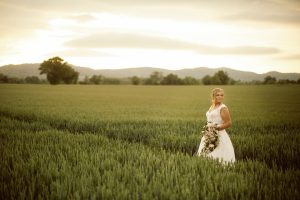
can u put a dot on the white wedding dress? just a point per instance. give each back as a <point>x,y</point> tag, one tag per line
<point>224,152</point>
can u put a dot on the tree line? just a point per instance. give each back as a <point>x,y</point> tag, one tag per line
<point>156,78</point>
<point>59,72</point>
<point>28,79</point>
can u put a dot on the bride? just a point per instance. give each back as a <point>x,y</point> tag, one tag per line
<point>218,114</point>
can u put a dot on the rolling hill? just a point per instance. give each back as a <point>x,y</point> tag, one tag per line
<point>23,70</point>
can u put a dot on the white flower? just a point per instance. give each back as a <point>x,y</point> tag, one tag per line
<point>211,138</point>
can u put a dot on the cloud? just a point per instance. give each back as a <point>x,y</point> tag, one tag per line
<point>54,5</point>
<point>274,11</point>
<point>162,6</point>
<point>292,57</point>
<point>32,14</point>
<point>81,18</point>
<point>265,17</point>
<point>76,52</point>
<point>130,40</point>
<point>127,40</point>
<point>20,20</point>
<point>17,20</point>
<point>239,50</point>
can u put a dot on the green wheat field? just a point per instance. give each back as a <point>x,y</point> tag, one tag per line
<point>137,142</point>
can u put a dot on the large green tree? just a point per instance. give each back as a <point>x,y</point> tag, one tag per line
<point>58,71</point>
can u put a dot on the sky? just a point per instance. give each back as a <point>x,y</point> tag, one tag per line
<point>247,35</point>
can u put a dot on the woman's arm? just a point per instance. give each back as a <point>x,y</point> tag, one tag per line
<point>225,115</point>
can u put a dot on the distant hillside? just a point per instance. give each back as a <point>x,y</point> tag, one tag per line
<point>23,70</point>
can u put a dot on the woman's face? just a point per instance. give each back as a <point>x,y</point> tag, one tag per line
<point>219,97</point>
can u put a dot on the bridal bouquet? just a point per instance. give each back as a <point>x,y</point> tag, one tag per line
<point>211,138</point>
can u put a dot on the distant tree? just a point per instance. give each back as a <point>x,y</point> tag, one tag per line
<point>58,71</point>
<point>96,79</point>
<point>283,81</point>
<point>3,78</point>
<point>269,80</point>
<point>171,79</point>
<point>293,81</point>
<point>190,81</point>
<point>32,80</point>
<point>135,80</point>
<point>207,80</point>
<point>111,81</point>
<point>233,82</point>
<point>216,80</point>
<point>236,82</point>
<point>221,78</point>
<point>154,79</point>
<point>85,81</point>
<point>15,80</point>
<point>255,82</point>
<point>298,81</point>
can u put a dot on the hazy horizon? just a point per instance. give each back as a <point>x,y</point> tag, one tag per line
<point>154,68</point>
<point>257,36</point>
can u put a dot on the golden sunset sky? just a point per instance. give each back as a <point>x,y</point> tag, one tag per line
<point>247,35</point>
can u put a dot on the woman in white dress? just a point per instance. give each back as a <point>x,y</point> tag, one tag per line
<point>219,114</point>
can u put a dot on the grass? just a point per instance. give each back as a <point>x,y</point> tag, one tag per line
<point>137,142</point>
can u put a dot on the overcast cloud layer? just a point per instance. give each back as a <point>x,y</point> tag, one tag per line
<point>111,33</point>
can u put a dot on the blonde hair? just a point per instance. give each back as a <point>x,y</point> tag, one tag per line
<point>213,95</point>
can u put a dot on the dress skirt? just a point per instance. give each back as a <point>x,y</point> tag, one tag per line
<point>224,152</point>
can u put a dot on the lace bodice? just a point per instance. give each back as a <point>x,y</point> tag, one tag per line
<point>214,115</point>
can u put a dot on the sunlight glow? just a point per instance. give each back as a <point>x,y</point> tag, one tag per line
<point>200,43</point>
<point>57,23</point>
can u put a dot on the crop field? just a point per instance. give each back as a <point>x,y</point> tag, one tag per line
<point>138,142</point>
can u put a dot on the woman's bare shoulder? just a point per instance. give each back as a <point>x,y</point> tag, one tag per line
<point>223,106</point>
